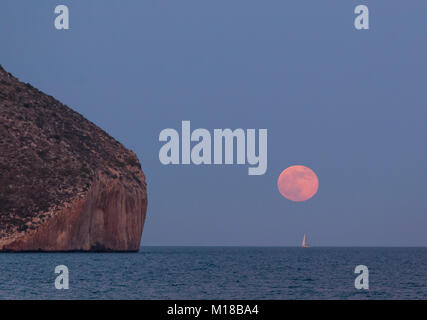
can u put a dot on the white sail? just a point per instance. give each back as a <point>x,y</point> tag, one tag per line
<point>304,243</point>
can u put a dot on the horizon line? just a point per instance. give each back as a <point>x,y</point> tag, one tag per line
<point>290,246</point>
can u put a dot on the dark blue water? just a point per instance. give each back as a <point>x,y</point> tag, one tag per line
<point>218,273</point>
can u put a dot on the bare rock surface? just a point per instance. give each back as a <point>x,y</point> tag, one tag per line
<point>65,184</point>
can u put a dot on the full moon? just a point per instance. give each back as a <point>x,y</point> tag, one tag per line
<point>298,183</point>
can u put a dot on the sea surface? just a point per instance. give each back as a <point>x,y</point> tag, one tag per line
<point>218,273</point>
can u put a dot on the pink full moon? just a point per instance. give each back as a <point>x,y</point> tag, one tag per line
<point>298,183</point>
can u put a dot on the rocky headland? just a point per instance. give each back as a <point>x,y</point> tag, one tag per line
<point>65,184</point>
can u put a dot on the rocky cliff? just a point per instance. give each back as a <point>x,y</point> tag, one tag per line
<point>65,184</point>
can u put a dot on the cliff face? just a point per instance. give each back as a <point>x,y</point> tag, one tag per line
<point>65,185</point>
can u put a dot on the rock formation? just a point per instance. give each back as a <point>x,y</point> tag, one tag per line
<point>65,184</point>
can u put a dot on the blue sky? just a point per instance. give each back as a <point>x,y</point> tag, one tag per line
<point>349,104</point>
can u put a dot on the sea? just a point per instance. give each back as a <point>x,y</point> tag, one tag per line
<point>218,273</point>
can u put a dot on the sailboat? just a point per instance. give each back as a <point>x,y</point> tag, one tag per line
<point>304,243</point>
